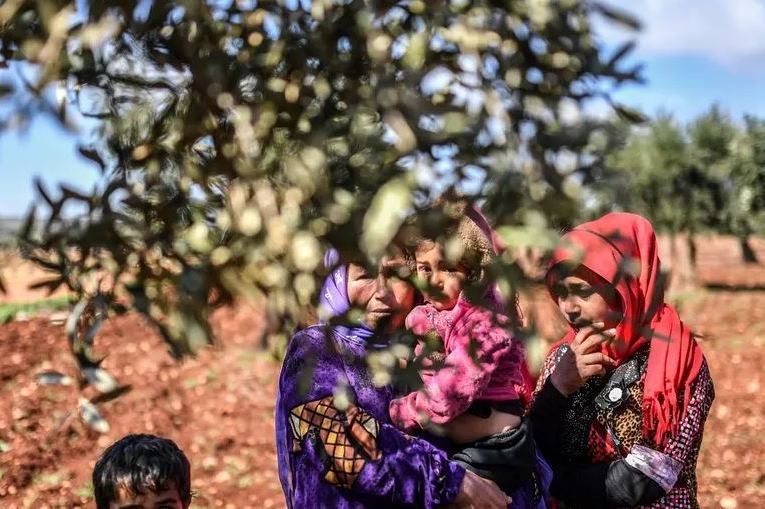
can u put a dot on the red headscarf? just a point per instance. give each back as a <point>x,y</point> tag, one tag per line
<point>622,249</point>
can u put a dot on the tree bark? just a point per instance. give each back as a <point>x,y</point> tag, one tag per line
<point>692,252</point>
<point>679,261</point>
<point>747,253</point>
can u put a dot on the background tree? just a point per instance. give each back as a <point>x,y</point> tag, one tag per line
<point>710,137</point>
<point>702,177</point>
<point>655,161</point>
<point>239,139</point>
<point>745,186</point>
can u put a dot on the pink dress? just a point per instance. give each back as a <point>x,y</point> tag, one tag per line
<point>482,362</point>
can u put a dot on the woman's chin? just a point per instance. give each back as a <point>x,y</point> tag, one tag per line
<point>374,319</point>
<point>384,321</point>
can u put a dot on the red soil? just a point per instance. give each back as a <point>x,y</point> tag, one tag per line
<point>219,406</point>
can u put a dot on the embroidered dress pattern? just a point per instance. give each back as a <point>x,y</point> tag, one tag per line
<point>349,437</point>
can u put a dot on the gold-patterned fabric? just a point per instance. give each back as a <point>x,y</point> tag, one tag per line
<point>626,423</point>
<point>349,437</point>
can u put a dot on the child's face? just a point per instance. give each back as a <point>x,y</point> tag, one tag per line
<point>442,276</point>
<point>167,499</point>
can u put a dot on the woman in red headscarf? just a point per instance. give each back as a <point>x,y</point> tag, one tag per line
<point>623,397</point>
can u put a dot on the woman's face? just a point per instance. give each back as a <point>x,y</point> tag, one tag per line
<point>386,297</point>
<point>584,301</point>
<point>585,298</point>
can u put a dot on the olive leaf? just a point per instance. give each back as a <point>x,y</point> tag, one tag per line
<point>92,417</point>
<point>54,378</point>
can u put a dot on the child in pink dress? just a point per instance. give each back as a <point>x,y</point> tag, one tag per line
<point>476,389</point>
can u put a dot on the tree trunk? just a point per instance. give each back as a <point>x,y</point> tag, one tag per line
<point>692,252</point>
<point>747,253</point>
<point>680,265</point>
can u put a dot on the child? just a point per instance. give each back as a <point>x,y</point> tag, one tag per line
<point>142,472</point>
<point>478,387</point>
<point>624,395</point>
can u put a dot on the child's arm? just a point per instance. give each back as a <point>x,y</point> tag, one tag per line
<point>477,346</point>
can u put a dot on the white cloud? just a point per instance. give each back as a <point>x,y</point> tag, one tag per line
<point>728,32</point>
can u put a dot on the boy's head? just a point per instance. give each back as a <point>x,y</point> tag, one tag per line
<point>142,472</point>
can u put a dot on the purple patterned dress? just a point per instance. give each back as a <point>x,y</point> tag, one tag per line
<point>341,451</point>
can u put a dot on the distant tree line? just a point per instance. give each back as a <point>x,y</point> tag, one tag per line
<point>700,177</point>
<point>707,176</point>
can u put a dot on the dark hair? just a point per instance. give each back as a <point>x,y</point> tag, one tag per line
<point>141,463</point>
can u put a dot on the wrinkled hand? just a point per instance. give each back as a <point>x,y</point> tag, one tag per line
<point>583,360</point>
<point>479,493</point>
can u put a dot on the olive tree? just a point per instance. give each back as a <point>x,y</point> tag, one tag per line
<point>238,140</point>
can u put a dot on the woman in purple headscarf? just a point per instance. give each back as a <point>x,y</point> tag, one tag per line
<point>335,443</point>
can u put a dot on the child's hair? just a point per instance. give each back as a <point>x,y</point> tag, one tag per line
<point>141,463</point>
<point>456,219</point>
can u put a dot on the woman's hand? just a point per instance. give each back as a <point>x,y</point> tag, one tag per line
<point>479,493</point>
<point>583,359</point>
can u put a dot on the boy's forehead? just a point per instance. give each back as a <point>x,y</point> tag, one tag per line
<point>127,499</point>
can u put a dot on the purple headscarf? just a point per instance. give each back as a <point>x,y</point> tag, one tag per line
<point>334,301</point>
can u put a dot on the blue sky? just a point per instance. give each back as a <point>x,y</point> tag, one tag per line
<point>696,53</point>
<point>687,85</point>
<point>47,151</point>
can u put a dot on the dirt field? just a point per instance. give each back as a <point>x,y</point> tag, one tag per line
<point>219,407</point>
